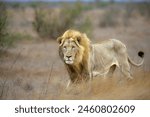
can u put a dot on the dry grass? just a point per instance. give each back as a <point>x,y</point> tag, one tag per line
<point>29,72</point>
<point>112,88</point>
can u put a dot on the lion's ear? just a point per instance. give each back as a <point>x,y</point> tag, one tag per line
<point>79,39</point>
<point>59,40</point>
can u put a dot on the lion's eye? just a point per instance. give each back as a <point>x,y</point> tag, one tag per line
<point>73,47</point>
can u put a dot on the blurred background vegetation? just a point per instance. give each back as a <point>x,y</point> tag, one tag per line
<point>51,19</point>
<point>7,38</point>
<point>53,22</point>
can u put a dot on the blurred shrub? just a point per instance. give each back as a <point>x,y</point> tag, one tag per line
<point>101,4</point>
<point>144,9</point>
<point>3,23</point>
<point>84,25</point>
<point>109,18</point>
<point>141,8</point>
<point>50,23</point>
<point>9,39</point>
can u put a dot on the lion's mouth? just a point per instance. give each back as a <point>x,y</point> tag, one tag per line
<point>69,62</point>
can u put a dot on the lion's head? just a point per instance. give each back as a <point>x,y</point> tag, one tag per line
<point>73,47</point>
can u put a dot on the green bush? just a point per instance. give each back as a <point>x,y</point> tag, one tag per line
<point>50,23</point>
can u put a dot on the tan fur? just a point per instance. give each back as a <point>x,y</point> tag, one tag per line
<point>108,55</point>
<point>89,60</point>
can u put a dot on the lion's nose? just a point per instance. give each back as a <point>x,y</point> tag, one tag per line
<point>68,57</point>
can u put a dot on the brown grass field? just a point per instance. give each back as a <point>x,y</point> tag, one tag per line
<point>32,69</point>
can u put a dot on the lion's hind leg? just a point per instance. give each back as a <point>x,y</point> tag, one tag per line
<point>111,71</point>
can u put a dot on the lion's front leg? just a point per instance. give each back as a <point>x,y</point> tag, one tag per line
<point>86,74</point>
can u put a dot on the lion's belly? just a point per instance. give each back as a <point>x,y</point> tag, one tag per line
<point>103,57</point>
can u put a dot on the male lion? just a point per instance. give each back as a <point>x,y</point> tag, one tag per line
<point>84,60</point>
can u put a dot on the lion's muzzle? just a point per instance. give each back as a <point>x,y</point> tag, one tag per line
<point>68,59</point>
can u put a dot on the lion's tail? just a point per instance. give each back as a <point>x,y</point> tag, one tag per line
<point>140,54</point>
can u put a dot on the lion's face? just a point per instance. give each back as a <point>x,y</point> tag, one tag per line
<point>73,47</point>
<point>69,50</point>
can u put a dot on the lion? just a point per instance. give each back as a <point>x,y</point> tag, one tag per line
<point>85,61</point>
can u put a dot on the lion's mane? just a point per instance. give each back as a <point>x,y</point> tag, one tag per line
<point>80,70</point>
